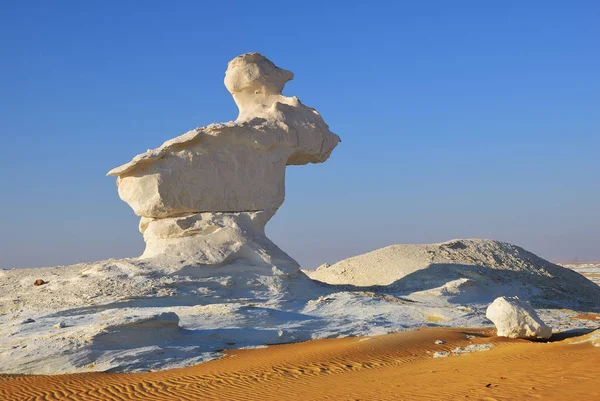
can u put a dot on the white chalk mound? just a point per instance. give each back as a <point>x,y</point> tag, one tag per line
<point>514,318</point>
<point>467,270</point>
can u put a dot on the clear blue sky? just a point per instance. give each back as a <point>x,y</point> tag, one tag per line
<point>458,119</point>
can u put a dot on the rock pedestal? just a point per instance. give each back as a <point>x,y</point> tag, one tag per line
<point>215,239</point>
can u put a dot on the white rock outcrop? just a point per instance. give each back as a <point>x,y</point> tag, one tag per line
<point>464,270</point>
<point>199,194</point>
<point>514,318</point>
<point>237,166</point>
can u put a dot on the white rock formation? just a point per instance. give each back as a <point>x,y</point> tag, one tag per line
<point>232,167</point>
<point>204,199</point>
<point>203,195</point>
<point>514,318</point>
<point>464,271</point>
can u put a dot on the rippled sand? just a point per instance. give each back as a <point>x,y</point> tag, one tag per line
<point>390,367</point>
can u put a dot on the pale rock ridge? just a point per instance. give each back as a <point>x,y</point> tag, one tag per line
<point>235,169</point>
<point>514,318</point>
<point>477,270</point>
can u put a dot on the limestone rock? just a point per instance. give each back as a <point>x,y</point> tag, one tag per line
<point>516,319</point>
<point>237,166</point>
<point>204,197</point>
<point>215,239</point>
<point>471,270</point>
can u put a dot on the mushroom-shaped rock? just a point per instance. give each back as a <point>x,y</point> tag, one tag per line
<point>237,166</point>
<point>514,318</point>
<point>200,193</point>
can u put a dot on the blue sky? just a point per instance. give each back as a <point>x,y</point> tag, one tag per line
<point>458,119</point>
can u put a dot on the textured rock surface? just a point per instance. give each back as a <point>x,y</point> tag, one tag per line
<point>490,268</point>
<point>206,195</point>
<point>164,312</point>
<point>214,239</point>
<point>236,166</point>
<point>514,318</point>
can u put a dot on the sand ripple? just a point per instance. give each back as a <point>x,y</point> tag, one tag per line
<point>391,367</point>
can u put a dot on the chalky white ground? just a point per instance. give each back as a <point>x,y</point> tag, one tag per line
<point>138,315</point>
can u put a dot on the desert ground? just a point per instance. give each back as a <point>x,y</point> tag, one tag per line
<point>396,366</point>
<point>426,364</point>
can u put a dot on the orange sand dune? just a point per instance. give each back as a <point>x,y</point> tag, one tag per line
<point>392,367</point>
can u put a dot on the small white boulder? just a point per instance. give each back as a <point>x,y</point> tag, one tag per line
<point>514,318</point>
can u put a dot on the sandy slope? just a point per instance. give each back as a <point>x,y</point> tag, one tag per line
<point>394,366</point>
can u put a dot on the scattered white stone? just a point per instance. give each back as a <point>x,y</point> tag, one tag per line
<point>472,348</point>
<point>438,342</point>
<point>514,318</point>
<point>463,350</point>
